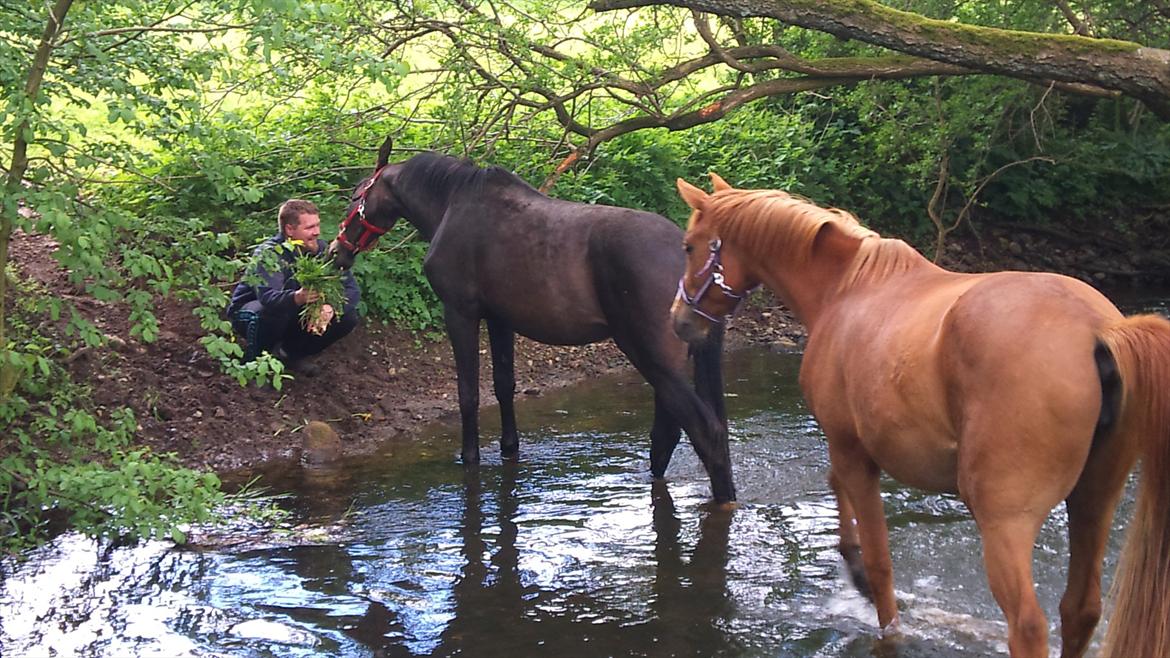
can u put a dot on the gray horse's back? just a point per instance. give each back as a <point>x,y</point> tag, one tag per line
<point>555,270</point>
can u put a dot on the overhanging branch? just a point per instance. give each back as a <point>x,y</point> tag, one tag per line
<point>1121,66</point>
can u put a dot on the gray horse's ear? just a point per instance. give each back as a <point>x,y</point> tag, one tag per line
<point>384,152</point>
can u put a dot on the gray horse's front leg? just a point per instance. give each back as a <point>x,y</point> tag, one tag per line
<point>463,332</point>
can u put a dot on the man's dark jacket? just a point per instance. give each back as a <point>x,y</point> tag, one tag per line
<point>275,289</point>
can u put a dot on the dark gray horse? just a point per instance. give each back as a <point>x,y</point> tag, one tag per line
<point>557,272</point>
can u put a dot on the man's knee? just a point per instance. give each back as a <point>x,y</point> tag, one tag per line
<point>302,343</point>
<point>246,319</point>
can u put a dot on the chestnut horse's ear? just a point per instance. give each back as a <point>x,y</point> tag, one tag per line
<point>691,194</point>
<point>717,183</point>
<point>384,152</point>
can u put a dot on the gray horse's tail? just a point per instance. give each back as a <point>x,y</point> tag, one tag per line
<point>708,357</point>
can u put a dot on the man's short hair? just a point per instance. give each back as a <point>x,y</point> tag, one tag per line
<point>291,211</point>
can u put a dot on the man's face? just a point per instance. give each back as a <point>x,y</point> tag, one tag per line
<point>307,229</point>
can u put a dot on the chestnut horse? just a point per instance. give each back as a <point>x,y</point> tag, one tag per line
<point>1015,390</point>
<point>554,271</point>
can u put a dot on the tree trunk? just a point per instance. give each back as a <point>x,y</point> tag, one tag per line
<point>13,186</point>
<point>1130,68</point>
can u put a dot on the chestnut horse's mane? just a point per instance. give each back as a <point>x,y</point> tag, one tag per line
<point>770,224</point>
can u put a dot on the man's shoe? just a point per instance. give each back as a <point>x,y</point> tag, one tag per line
<point>298,366</point>
<point>303,367</point>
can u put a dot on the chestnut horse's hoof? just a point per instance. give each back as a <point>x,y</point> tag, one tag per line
<point>892,630</point>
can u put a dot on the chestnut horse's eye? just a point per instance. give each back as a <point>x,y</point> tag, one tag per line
<point>687,247</point>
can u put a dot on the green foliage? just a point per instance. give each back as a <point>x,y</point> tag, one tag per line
<point>1097,172</point>
<point>635,171</point>
<point>394,287</point>
<point>264,370</point>
<point>760,146</point>
<point>66,461</point>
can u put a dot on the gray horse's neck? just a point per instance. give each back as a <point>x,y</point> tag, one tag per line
<point>431,183</point>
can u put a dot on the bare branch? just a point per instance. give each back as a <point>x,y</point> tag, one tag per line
<point>934,206</point>
<point>1080,27</point>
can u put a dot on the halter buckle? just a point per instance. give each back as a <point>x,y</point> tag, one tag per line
<point>370,233</point>
<point>714,268</point>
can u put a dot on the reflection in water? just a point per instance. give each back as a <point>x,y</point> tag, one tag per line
<point>574,551</point>
<point>504,604</point>
<point>690,597</point>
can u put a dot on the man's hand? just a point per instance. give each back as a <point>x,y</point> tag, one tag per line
<point>323,320</point>
<point>304,296</point>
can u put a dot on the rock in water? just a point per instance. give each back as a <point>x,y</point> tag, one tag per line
<point>321,444</point>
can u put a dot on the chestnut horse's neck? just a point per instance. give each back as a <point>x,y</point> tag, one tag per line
<point>811,256</point>
<point>838,266</point>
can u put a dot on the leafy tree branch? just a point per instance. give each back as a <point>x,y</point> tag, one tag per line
<point>14,183</point>
<point>599,83</point>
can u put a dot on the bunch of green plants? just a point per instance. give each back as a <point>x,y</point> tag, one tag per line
<point>319,275</point>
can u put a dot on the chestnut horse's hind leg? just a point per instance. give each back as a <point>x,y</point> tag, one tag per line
<point>1080,607</point>
<point>1090,512</point>
<point>463,332</point>
<point>1007,556</point>
<point>503,342</point>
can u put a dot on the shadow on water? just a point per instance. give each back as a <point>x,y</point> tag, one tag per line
<point>573,551</point>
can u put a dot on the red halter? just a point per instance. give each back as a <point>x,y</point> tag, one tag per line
<point>370,233</point>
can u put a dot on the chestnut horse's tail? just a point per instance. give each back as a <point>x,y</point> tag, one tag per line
<point>1140,623</point>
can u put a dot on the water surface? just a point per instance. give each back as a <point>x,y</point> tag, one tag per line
<point>574,551</point>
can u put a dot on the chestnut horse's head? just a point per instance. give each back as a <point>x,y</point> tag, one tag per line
<point>715,280</point>
<point>373,209</point>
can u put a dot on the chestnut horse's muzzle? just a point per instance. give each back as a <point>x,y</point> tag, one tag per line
<point>687,325</point>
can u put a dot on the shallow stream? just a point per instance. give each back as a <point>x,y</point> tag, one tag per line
<point>574,551</point>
